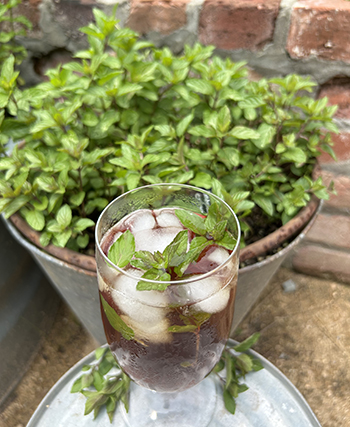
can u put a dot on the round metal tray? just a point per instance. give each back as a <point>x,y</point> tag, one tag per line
<point>272,400</point>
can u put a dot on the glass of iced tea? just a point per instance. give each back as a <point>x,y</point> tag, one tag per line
<point>167,264</point>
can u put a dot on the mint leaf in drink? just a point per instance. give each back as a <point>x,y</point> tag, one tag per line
<point>122,250</point>
<point>218,231</point>
<point>174,254</point>
<point>228,241</point>
<point>192,221</point>
<point>145,260</point>
<point>116,321</point>
<point>182,328</point>
<point>214,217</point>
<point>198,244</point>
<point>159,276</point>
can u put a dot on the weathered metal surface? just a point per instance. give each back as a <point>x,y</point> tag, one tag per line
<point>28,305</point>
<point>77,287</point>
<point>272,400</point>
<point>253,279</point>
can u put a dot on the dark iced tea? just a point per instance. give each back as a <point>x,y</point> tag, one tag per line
<point>173,338</point>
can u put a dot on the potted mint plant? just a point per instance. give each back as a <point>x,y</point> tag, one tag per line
<point>124,114</point>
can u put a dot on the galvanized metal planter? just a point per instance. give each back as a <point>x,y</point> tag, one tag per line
<point>78,284</point>
<point>78,287</point>
<point>28,305</point>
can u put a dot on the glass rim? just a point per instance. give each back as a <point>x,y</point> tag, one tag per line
<point>192,279</point>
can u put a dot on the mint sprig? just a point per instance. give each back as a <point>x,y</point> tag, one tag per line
<point>212,227</point>
<point>237,364</point>
<point>173,262</point>
<point>192,221</point>
<point>197,246</point>
<point>102,390</point>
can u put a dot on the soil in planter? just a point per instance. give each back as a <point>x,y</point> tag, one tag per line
<point>267,255</point>
<point>260,226</point>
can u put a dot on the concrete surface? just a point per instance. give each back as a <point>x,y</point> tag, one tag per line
<point>305,333</point>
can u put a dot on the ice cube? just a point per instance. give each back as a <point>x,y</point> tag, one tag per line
<point>155,240</point>
<point>142,306</point>
<point>116,237</point>
<point>102,285</point>
<point>218,256</point>
<point>140,220</point>
<point>167,218</point>
<point>154,332</point>
<point>211,298</point>
<point>215,303</point>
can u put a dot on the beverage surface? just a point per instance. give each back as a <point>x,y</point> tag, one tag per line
<point>167,340</point>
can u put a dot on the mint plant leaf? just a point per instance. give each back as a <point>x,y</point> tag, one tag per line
<point>192,221</point>
<point>116,321</point>
<point>229,401</point>
<point>248,343</point>
<point>236,367</point>
<point>122,250</point>
<point>35,219</point>
<point>244,363</point>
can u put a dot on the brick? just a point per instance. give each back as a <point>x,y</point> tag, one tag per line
<point>320,28</point>
<point>323,262</point>
<point>238,24</point>
<point>341,148</point>
<point>161,16</point>
<point>338,94</point>
<point>331,230</point>
<point>340,201</point>
<point>30,9</point>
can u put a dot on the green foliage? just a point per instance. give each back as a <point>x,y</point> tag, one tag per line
<point>236,364</point>
<point>124,114</point>
<point>102,390</point>
<point>12,25</point>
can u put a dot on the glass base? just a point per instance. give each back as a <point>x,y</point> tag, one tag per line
<point>194,407</point>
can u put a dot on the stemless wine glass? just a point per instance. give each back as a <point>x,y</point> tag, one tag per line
<point>167,341</point>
